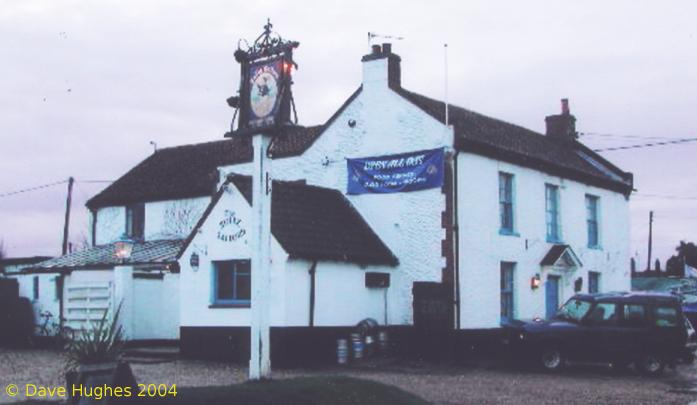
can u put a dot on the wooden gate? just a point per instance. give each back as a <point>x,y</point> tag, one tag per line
<point>433,319</point>
<point>85,304</point>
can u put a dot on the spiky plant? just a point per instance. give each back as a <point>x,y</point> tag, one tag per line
<point>101,343</point>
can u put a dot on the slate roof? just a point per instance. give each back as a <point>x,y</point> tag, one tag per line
<point>102,256</point>
<point>491,137</point>
<point>192,170</point>
<point>315,223</point>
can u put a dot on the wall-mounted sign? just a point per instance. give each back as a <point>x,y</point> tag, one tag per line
<point>396,173</point>
<point>230,227</point>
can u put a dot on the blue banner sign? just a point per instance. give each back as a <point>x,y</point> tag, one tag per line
<point>396,173</point>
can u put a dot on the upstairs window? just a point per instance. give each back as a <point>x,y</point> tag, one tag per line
<point>135,221</point>
<point>552,213</point>
<point>35,285</point>
<point>232,282</point>
<point>592,220</point>
<point>506,202</point>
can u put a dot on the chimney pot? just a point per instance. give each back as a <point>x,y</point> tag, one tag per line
<point>387,47</point>
<point>565,106</point>
<point>376,48</point>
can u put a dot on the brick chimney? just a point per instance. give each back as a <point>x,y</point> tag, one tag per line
<point>381,67</point>
<point>562,126</point>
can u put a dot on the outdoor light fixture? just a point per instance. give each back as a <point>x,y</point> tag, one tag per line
<point>535,281</point>
<point>193,261</point>
<point>123,248</point>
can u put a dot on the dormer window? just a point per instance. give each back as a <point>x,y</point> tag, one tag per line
<point>135,221</point>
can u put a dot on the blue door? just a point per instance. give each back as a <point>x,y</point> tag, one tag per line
<point>552,295</point>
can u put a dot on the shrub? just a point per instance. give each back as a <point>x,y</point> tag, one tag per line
<point>101,343</point>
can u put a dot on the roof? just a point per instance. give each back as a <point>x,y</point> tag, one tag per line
<point>556,252</point>
<point>314,223</point>
<point>147,252</point>
<point>15,261</point>
<point>501,140</point>
<point>195,168</point>
<point>623,296</point>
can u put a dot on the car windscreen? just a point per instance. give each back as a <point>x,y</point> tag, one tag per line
<point>574,309</point>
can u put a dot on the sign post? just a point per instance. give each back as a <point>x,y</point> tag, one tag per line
<point>260,355</point>
<point>264,106</point>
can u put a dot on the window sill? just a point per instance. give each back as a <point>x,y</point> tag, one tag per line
<point>597,247</point>
<point>506,232</point>
<point>555,241</point>
<point>230,305</point>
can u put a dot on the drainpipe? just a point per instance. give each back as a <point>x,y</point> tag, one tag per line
<point>60,281</point>
<point>312,271</point>
<point>456,240</point>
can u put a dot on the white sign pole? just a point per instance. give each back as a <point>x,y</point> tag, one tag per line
<point>260,355</point>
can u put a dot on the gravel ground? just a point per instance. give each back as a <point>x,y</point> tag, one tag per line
<point>480,383</point>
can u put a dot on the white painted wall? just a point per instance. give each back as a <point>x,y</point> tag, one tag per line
<point>409,223</point>
<point>196,286</point>
<point>173,218</point>
<point>168,219</point>
<point>342,298</point>
<point>111,224</point>
<point>156,308</point>
<point>482,248</point>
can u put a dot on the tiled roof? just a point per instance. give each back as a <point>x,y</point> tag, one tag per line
<point>480,134</point>
<point>192,170</point>
<point>148,252</point>
<point>315,223</point>
<point>556,252</point>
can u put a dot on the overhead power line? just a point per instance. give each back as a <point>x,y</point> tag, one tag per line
<point>646,145</point>
<point>668,197</point>
<point>26,190</point>
<point>627,136</point>
<point>29,189</point>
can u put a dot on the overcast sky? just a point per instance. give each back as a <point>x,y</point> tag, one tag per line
<point>86,85</point>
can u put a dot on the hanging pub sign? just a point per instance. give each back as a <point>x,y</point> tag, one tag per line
<point>396,173</point>
<point>265,98</point>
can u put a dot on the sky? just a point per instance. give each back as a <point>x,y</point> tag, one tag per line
<point>87,86</point>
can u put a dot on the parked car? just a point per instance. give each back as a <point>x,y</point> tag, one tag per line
<point>646,329</point>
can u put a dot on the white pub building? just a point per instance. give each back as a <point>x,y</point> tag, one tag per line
<point>379,212</point>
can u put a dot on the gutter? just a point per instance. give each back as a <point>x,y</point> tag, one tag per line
<point>456,240</point>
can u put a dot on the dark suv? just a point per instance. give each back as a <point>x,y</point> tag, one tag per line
<point>647,329</point>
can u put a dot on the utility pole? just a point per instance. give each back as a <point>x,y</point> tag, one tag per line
<point>66,225</point>
<point>648,262</point>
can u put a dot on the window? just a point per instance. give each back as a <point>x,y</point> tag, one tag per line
<point>665,317</point>
<point>603,314</point>
<point>593,282</point>
<point>135,221</point>
<point>232,282</point>
<point>506,202</point>
<point>574,309</point>
<point>552,213</point>
<point>592,220</point>
<point>634,315</point>
<point>507,303</point>
<point>36,288</point>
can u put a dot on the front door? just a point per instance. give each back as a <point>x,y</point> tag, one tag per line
<point>552,296</point>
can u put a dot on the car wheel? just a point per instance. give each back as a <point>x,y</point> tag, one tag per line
<point>552,359</point>
<point>650,364</point>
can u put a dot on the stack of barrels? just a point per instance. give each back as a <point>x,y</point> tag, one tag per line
<point>361,346</point>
